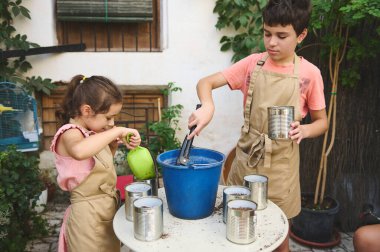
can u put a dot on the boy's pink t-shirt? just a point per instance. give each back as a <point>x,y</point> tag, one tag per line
<point>311,83</point>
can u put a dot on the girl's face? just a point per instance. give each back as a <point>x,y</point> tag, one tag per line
<point>280,42</point>
<point>102,122</point>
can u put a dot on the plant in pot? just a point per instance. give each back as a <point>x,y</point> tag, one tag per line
<point>342,31</point>
<point>165,128</point>
<point>342,34</point>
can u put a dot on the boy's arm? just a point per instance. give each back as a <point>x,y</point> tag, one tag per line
<point>202,116</point>
<point>314,129</point>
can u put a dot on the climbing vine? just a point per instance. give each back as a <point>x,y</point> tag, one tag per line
<point>13,69</point>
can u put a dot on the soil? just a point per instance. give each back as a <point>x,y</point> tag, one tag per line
<point>307,201</point>
<point>164,236</point>
<point>239,194</point>
<point>243,209</point>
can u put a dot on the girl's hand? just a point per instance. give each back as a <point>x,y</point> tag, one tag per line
<point>131,138</point>
<point>296,132</point>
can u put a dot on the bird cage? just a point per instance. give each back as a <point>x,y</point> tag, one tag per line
<point>18,118</point>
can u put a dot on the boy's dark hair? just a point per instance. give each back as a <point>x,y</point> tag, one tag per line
<point>284,12</point>
<point>97,91</point>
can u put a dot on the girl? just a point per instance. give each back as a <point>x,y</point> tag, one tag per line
<point>84,147</point>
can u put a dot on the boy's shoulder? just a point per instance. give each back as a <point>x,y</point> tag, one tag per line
<point>309,69</point>
<point>308,66</point>
<point>255,56</point>
<point>250,61</point>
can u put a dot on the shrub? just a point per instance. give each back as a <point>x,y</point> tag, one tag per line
<point>19,185</point>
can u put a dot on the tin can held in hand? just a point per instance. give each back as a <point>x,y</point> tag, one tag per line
<point>232,193</point>
<point>148,218</point>
<point>134,191</point>
<point>279,120</point>
<point>258,184</point>
<point>241,221</point>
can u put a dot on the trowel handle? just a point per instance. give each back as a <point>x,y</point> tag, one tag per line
<point>190,142</point>
<point>193,128</point>
<point>183,157</point>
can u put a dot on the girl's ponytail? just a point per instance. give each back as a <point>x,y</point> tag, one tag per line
<point>68,107</point>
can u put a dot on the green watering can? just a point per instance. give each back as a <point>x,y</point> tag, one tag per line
<point>141,162</point>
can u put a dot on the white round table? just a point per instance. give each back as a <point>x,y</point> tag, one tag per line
<point>208,234</point>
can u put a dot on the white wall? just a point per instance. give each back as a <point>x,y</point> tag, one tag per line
<point>191,51</point>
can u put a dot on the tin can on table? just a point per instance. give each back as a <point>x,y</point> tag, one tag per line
<point>259,189</point>
<point>152,181</point>
<point>232,193</point>
<point>148,218</point>
<point>240,224</point>
<point>134,191</point>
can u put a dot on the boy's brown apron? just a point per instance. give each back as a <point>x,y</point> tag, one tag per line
<point>89,224</point>
<point>255,152</point>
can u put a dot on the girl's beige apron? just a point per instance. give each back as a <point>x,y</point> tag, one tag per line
<point>94,203</point>
<point>255,152</point>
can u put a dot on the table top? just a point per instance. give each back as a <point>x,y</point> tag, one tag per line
<point>208,234</point>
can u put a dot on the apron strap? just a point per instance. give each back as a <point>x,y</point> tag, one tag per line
<point>248,101</point>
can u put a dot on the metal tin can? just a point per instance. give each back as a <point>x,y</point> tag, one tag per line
<point>232,193</point>
<point>240,224</point>
<point>134,191</point>
<point>279,120</point>
<point>148,218</point>
<point>259,189</point>
<point>153,182</point>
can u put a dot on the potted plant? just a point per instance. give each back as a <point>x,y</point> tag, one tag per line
<point>343,34</point>
<point>337,31</point>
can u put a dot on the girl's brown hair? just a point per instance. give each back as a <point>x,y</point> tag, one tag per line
<point>96,91</point>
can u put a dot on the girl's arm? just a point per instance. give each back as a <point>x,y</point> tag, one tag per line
<point>202,116</point>
<point>73,143</point>
<point>314,129</point>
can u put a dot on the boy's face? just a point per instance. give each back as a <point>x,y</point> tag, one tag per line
<point>281,41</point>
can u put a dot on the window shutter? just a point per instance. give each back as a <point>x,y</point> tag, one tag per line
<point>105,10</point>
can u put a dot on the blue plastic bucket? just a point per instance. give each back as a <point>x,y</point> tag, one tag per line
<point>191,190</point>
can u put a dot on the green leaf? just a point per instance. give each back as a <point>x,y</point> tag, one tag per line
<point>25,12</point>
<point>15,11</point>
<point>225,47</point>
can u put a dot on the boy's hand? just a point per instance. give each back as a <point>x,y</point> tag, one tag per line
<point>200,117</point>
<point>296,132</point>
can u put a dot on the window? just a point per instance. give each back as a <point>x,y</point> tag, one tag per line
<point>110,25</point>
<point>141,104</point>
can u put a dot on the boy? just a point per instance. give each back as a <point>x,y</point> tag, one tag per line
<point>277,77</point>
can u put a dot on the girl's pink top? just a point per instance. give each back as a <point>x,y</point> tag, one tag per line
<point>71,173</point>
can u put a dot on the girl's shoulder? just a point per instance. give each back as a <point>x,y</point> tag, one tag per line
<point>63,129</point>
